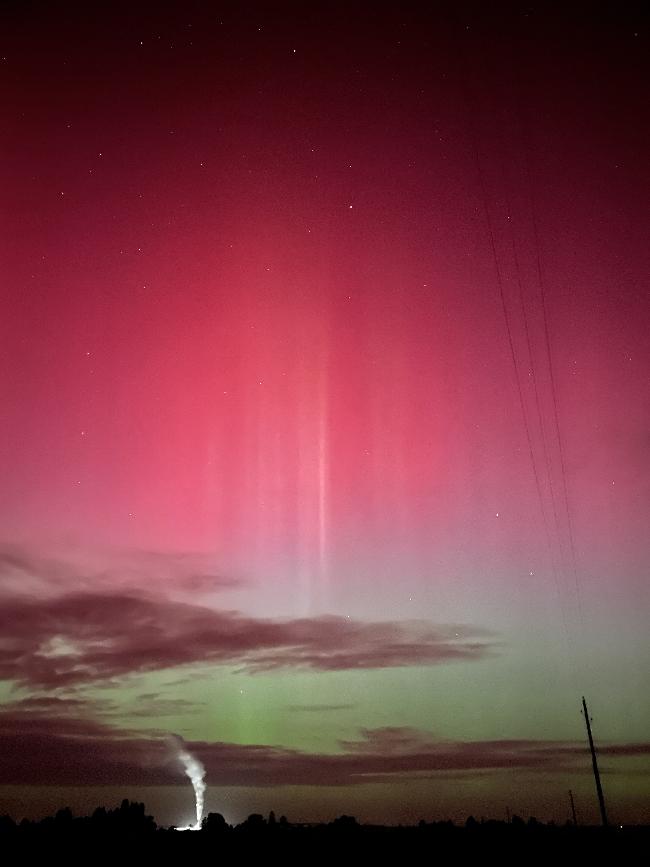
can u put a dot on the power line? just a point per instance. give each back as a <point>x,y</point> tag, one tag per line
<point>549,355</point>
<point>517,368</point>
<point>518,379</point>
<point>540,414</point>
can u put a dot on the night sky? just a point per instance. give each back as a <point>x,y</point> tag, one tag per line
<point>324,439</point>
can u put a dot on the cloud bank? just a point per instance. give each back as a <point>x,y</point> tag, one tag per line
<point>61,628</point>
<point>54,745</point>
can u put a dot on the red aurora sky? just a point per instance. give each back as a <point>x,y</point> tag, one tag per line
<point>325,354</point>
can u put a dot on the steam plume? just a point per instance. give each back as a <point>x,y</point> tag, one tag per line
<point>194,770</point>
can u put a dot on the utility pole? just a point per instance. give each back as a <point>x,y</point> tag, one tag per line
<point>594,762</point>
<point>573,809</point>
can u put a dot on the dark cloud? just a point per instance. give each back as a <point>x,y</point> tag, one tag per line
<point>69,750</point>
<point>80,638</point>
<point>72,632</point>
<point>318,708</point>
<point>159,706</point>
<point>52,570</point>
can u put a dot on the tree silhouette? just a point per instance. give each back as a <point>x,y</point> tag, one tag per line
<point>215,824</point>
<point>254,824</point>
<point>345,823</point>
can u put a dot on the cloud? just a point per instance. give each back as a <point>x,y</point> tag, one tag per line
<point>69,749</point>
<point>81,637</point>
<point>72,750</point>
<point>76,631</point>
<point>158,706</point>
<point>39,571</point>
<point>318,708</point>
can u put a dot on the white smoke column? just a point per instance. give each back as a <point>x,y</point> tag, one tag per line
<point>195,771</point>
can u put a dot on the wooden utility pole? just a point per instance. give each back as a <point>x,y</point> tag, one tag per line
<point>573,809</point>
<point>594,762</point>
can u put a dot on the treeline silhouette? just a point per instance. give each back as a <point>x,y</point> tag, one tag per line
<point>130,820</point>
<point>130,817</point>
